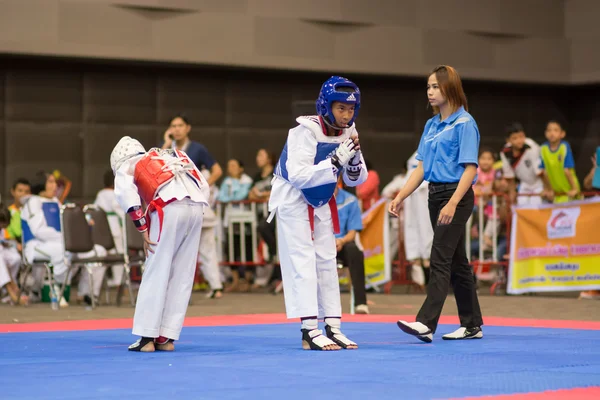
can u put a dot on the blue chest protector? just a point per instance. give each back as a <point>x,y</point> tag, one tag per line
<point>319,195</point>
<point>51,212</point>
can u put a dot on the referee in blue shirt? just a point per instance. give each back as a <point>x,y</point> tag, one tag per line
<point>447,157</point>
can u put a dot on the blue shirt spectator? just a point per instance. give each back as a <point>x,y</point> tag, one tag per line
<point>349,213</point>
<point>237,184</point>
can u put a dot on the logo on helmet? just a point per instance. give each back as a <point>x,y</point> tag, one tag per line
<point>332,91</point>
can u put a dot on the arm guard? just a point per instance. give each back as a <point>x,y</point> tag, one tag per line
<point>139,220</point>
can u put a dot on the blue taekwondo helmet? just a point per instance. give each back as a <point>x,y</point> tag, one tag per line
<point>330,93</point>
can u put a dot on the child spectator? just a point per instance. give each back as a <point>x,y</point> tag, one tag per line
<point>558,165</point>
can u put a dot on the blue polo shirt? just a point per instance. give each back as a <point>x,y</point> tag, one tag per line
<point>447,146</point>
<point>349,213</point>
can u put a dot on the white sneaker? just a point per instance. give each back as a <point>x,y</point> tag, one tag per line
<point>464,333</point>
<point>421,331</point>
<point>361,309</point>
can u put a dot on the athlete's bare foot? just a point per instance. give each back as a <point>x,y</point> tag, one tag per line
<point>329,347</point>
<point>315,340</point>
<point>148,345</point>
<point>169,346</point>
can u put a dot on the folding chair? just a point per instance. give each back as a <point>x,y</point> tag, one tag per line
<point>27,267</point>
<point>77,238</point>
<point>102,235</point>
<point>133,245</point>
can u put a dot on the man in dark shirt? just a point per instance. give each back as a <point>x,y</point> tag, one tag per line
<point>177,136</point>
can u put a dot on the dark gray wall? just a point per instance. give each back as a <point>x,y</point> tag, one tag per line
<point>68,114</point>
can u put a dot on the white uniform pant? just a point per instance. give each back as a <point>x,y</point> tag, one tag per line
<point>10,260</point>
<point>418,233</point>
<point>209,262</point>
<point>53,251</point>
<point>83,287</point>
<point>308,267</point>
<point>169,272</point>
<point>530,189</point>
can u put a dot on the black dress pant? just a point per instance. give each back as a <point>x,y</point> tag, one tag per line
<point>350,255</point>
<point>267,232</point>
<point>449,265</point>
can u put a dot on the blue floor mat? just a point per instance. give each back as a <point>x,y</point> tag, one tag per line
<point>267,362</point>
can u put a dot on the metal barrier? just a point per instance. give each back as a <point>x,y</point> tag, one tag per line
<point>482,267</point>
<point>236,215</point>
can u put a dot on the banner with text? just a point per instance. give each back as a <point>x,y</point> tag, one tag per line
<point>375,242</point>
<point>555,247</point>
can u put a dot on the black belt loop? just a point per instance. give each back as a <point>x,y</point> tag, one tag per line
<point>442,187</point>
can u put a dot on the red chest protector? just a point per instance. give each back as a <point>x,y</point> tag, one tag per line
<point>152,173</point>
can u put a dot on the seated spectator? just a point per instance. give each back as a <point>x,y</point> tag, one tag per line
<point>236,185</point>
<point>10,261</point>
<point>347,250</point>
<point>20,189</point>
<point>107,201</point>
<point>368,192</point>
<point>40,218</point>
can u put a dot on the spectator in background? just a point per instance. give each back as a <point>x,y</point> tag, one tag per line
<point>486,174</point>
<point>10,260</point>
<point>484,188</point>
<point>177,136</point>
<point>207,252</point>
<point>347,250</point>
<point>261,183</point>
<point>368,192</point>
<point>12,234</point>
<point>20,189</point>
<point>236,187</point>
<point>107,201</point>
<point>520,165</point>
<point>558,166</point>
<point>261,190</point>
<point>389,192</point>
<point>589,179</point>
<point>63,186</point>
<point>418,233</point>
<point>43,239</point>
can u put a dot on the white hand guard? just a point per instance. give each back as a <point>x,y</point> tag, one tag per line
<point>354,167</point>
<point>343,154</point>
